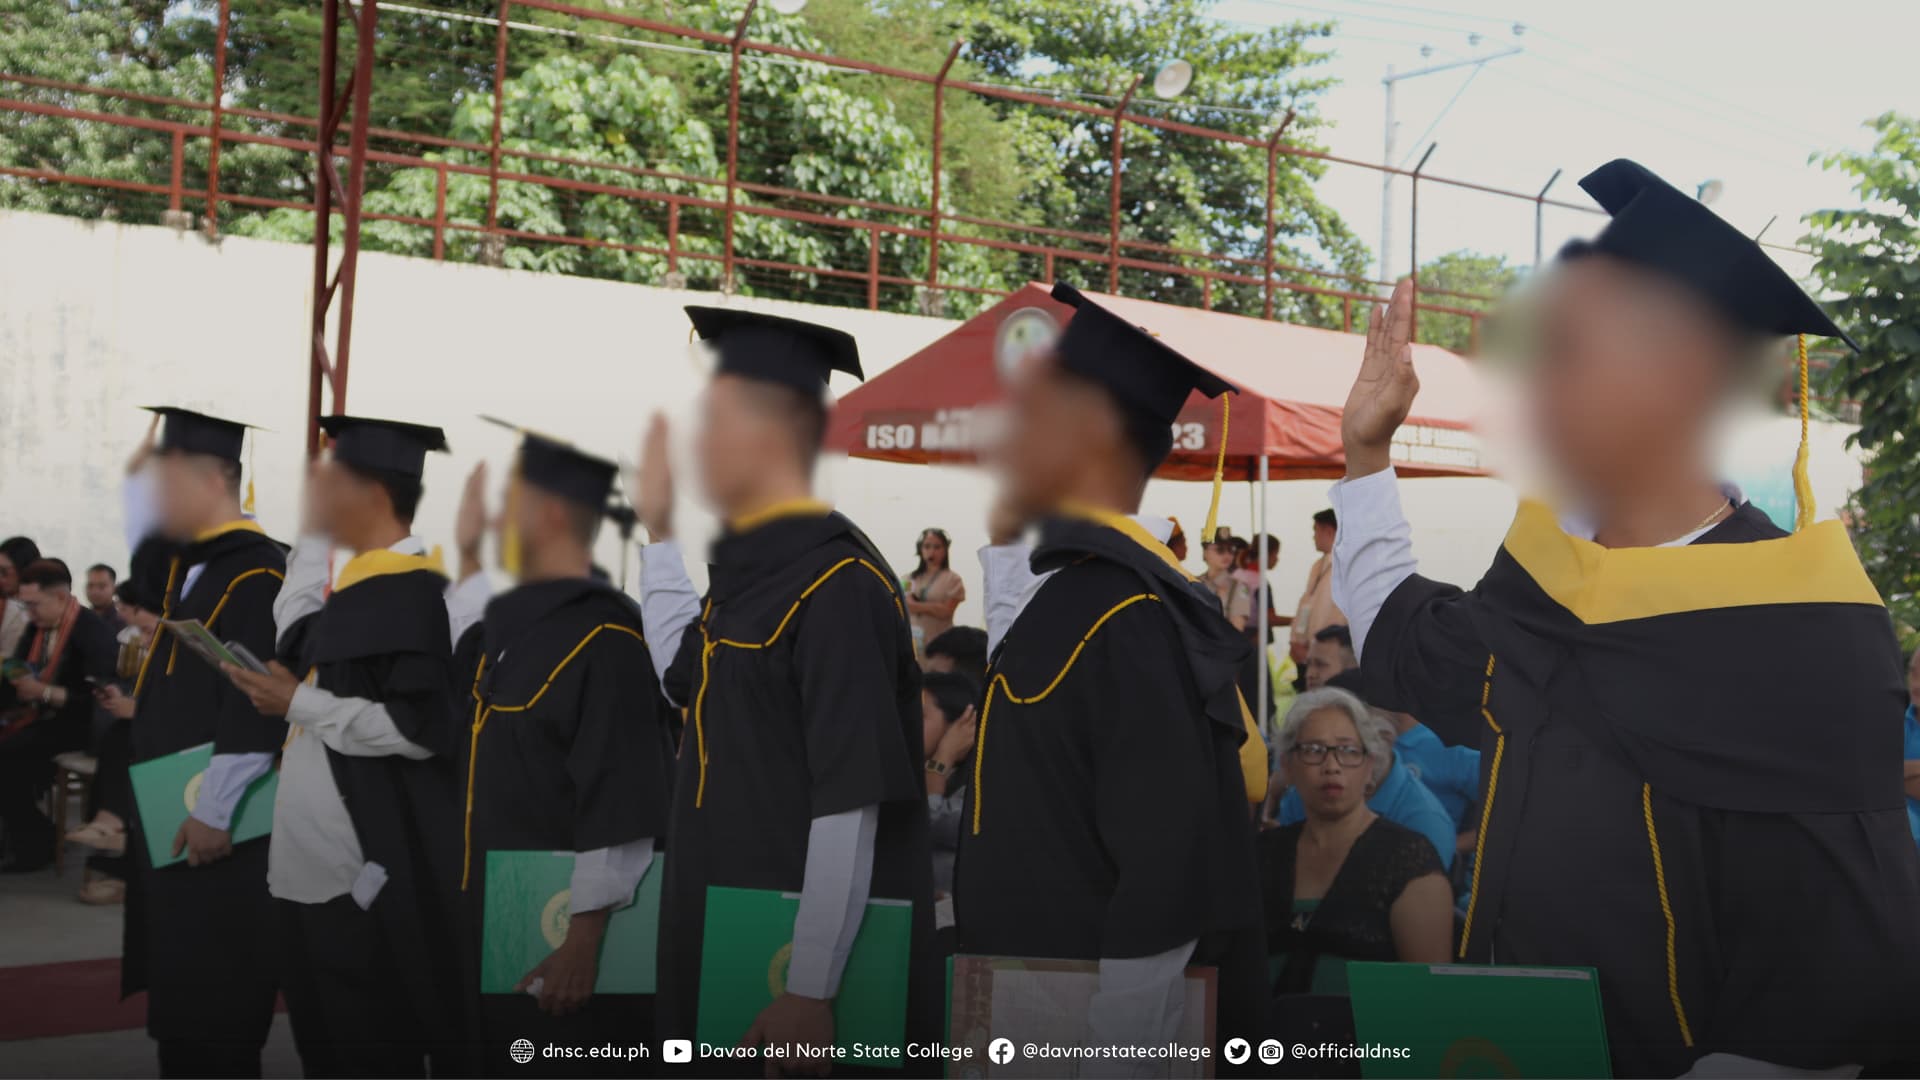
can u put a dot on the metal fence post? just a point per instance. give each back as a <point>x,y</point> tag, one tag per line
<point>1413,244</point>
<point>733,145</point>
<point>939,147</point>
<point>499,110</point>
<point>440,211</point>
<point>1113,206</point>
<point>1539,218</point>
<point>1273,169</point>
<point>216,115</point>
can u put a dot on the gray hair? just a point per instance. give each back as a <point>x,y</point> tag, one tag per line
<point>1371,727</point>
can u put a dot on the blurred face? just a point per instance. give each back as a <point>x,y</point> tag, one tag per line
<point>137,617</point>
<point>1325,659</point>
<point>738,437</point>
<point>1335,785</point>
<point>45,604</point>
<point>933,550</point>
<point>345,505</point>
<point>1323,537</point>
<point>1913,678</point>
<point>1056,424</point>
<point>1630,376</point>
<point>190,490</point>
<point>9,578</point>
<point>933,722</point>
<point>99,589</point>
<point>1220,557</point>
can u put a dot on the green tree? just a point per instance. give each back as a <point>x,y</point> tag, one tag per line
<point>1869,262</point>
<point>1466,280</point>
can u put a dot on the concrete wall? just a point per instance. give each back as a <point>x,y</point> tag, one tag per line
<point>97,319</point>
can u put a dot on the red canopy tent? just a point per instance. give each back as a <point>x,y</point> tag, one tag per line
<point>1293,383</point>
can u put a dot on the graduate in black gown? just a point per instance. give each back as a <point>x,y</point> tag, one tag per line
<point>1690,780</point>
<point>565,748</point>
<point>199,933</point>
<point>1108,818</point>
<point>361,865</point>
<point>800,763</point>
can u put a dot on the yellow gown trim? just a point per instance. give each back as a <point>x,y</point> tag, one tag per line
<point>382,561</point>
<point>784,509</point>
<point>237,525</point>
<point>1666,912</point>
<point>1127,527</point>
<point>1816,565</point>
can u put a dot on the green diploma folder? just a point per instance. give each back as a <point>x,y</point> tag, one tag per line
<point>1463,1020</point>
<point>743,965</point>
<point>526,918</point>
<point>166,788</point>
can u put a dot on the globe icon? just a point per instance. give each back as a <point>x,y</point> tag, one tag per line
<point>521,1050</point>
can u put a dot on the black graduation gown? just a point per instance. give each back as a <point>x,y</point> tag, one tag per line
<point>384,638</point>
<point>1108,815</point>
<point>199,940</point>
<point>1690,780</point>
<point>566,750</point>
<point>803,701</point>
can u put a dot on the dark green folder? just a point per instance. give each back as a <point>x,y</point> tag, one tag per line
<point>526,918</point>
<point>1468,1021</point>
<point>743,964</point>
<point>166,788</point>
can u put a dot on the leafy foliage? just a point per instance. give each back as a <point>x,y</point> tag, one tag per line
<point>1869,261</point>
<point>1487,276</point>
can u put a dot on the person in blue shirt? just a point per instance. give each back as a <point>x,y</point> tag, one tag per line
<point>1911,776</point>
<point>1400,797</point>
<point>1452,773</point>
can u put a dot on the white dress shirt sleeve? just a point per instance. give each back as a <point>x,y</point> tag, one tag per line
<point>1009,583</point>
<point>607,877</point>
<point>467,604</point>
<point>1141,1001</point>
<point>304,592</point>
<point>223,783</point>
<point>352,726</point>
<point>833,900</point>
<point>139,509</point>
<point>668,604</point>
<point>1373,550</point>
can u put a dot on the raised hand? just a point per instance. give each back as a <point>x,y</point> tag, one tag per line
<point>654,500</point>
<point>145,450</point>
<point>1383,392</point>
<point>470,522</point>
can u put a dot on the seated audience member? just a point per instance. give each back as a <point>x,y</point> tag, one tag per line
<point>1397,795</point>
<point>101,581</point>
<point>45,704</point>
<point>1330,654</point>
<point>947,729</point>
<point>1345,883</point>
<point>16,554</point>
<point>1452,773</point>
<point>110,799</point>
<point>962,649</point>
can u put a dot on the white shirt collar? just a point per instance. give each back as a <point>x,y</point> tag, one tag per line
<point>1576,523</point>
<point>1160,527</point>
<point>409,545</point>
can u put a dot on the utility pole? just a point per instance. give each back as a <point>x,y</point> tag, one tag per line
<point>1388,81</point>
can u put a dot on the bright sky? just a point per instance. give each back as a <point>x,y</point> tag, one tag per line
<point>1742,93</point>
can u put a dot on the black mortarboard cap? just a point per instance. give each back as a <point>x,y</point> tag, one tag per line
<point>773,349</point>
<point>560,468</point>
<point>1140,370</point>
<point>1660,227</point>
<point>387,445</point>
<point>187,432</point>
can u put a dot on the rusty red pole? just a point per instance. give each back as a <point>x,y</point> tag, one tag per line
<point>319,367</point>
<point>873,269</point>
<point>939,146</point>
<point>1273,168</point>
<point>356,187</point>
<point>733,144</point>
<point>1113,205</point>
<point>499,107</point>
<point>179,167</point>
<point>440,212</point>
<point>216,115</point>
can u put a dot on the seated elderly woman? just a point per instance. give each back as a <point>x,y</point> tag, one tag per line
<point>1345,884</point>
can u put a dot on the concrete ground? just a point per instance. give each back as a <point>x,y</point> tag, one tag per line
<point>42,923</point>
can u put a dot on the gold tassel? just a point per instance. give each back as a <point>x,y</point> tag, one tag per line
<point>509,530</point>
<point>246,507</point>
<point>1219,472</point>
<point>1802,483</point>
